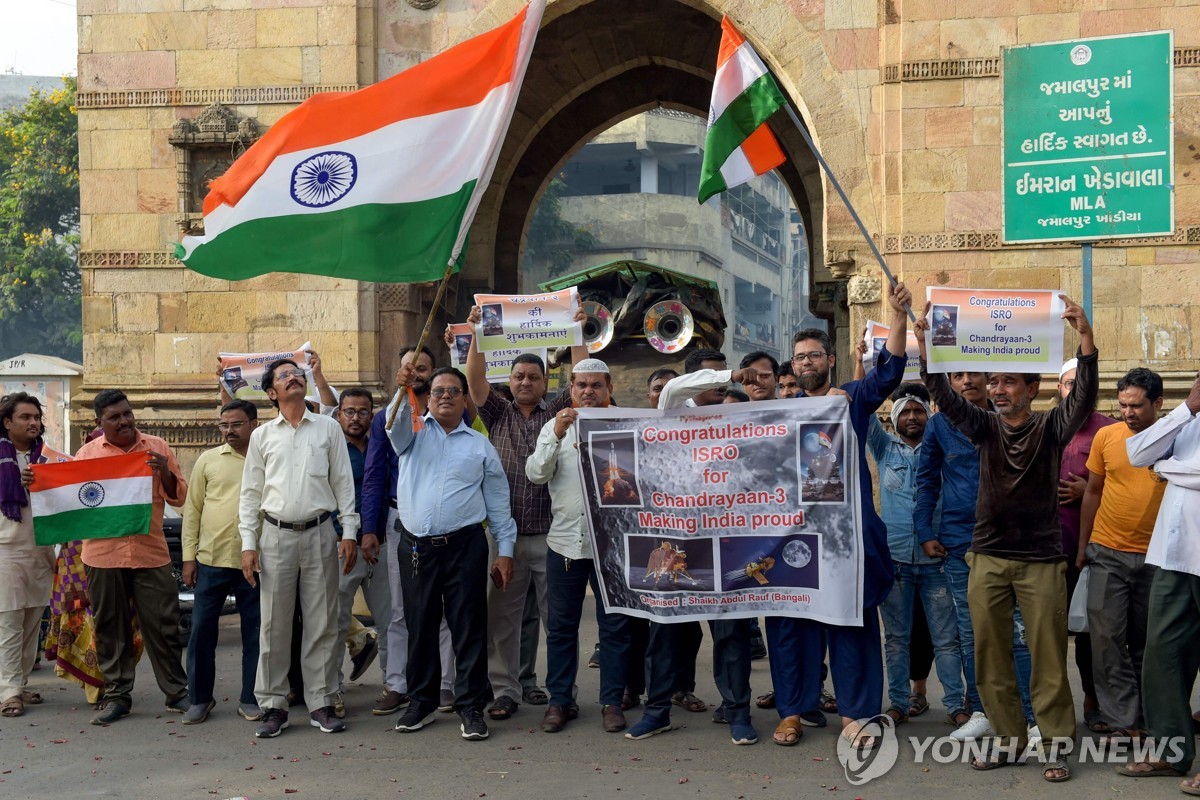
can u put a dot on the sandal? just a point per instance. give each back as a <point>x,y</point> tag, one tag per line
<point>917,705</point>
<point>1120,737</point>
<point>535,696</point>
<point>897,714</point>
<point>32,698</point>
<point>788,733</point>
<point>860,740</point>
<point>1095,722</point>
<point>503,708</point>
<point>828,702</point>
<point>993,760</point>
<point>1191,785</point>
<point>1051,766</point>
<point>1153,769</point>
<point>766,700</point>
<point>12,707</point>
<point>689,702</point>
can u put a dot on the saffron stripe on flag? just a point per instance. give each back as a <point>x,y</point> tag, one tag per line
<point>92,523</point>
<point>734,78</point>
<point>52,475</point>
<point>742,118</point>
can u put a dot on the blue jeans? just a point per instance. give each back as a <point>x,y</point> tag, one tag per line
<point>213,585</point>
<point>958,572</point>
<point>930,581</point>
<point>566,586</point>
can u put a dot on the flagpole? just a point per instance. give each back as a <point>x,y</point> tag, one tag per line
<point>853,213</point>
<point>437,303</point>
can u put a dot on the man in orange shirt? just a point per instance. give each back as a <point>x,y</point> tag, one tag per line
<point>1119,508</point>
<point>136,568</point>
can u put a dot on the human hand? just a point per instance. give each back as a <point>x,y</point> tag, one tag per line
<point>405,374</point>
<point>564,420</point>
<point>749,376</point>
<point>348,554</point>
<point>1081,559</point>
<point>314,363</point>
<point>26,477</point>
<point>933,549</point>
<point>861,347</point>
<point>370,548</point>
<point>475,317</point>
<point>188,576</point>
<point>899,297</point>
<point>158,463</point>
<point>503,566</point>
<point>448,338</point>
<point>1075,316</point>
<point>250,566</point>
<point>1071,491</point>
<point>922,324</point>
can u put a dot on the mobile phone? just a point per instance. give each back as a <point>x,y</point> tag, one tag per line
<point>496,579</point>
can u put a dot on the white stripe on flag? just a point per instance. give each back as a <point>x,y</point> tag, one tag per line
<point>737,170</point>
<point>116,492</point>
<point>742,69</point>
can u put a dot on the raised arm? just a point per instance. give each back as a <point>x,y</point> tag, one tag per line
<point>1156,442</point>
<point>375,476</point>
<point>966,416</point>
<point>477,382</point>
<point>542,463</point>
<point>899,298</point>
<point>324,391</point>
<point>684,387</point>
<point>929,483</point>
<point>1079,403</point>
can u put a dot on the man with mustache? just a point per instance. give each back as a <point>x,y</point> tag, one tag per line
<point>1016,549</point>
<point>136,568</point>
<point>212,563</point>
<point>569,566</point>
<point>297,474</point>
<point>788,386</point>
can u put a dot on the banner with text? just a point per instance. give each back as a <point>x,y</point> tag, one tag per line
<point>242,373</point>
<point>528,321</point>
<point>994,330</point>
<point>876,338</point>
<point>740,510</point>
<point>499,362</point>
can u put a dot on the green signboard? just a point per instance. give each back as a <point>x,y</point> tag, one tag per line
<point>1088,139</point>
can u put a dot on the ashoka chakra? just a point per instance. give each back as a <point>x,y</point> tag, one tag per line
<point>323,179</point>
<point>91,494</point>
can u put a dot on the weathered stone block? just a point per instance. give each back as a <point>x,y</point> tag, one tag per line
<point>1115,286</point>
<point>932,94</point>
<point>102,71</point>
<point>863,289</point>
<point>123,232</point>
<point>1106,23</point>
<point>1170,284</point>
<point>1033,28</point>
<point>216,312</point>
<point>231,29</point>
<point>114,119</point>
<point>108,191</point>
<point>207,68</point>
<point>119,33</point>
<point>98,314</point>
<point>119,149</point>
<point>949,127</point>
<point>924,212</point>
<point>932,171</point>
<point>270,67</point>
<point>157,191</point>
<point>172,311</point>
<point>339,64</point>
<point>122,359</point>
<point>986,126</point>
<point>177,31</point>
<point>972,38</point>
<point>1165,334</point>
<point>137,312</point>
<point>337,25</point>
<point>324,311</point>
<point>310,64</point>
<point>286,27</point>
<point>271,312</point>
<point>973,211</point>
<point>176,353</point>
<point>113,280</point>
<point>1139,256</point>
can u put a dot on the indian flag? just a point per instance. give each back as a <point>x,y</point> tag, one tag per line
<point>96,498</point>
<point>380,184</point>
<point>739,145</point>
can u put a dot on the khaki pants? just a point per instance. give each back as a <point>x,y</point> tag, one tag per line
<point>995,585</point>
<point>308,561</point>
<point>506,609</point>
<point>18,649</point>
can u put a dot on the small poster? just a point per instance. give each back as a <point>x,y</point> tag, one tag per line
<point>528,321</point>
<point>499,362</point>
<point>994,330</point>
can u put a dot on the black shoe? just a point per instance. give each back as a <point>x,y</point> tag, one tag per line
<point>473,727</point>
<point>415,717</point>
<point>364,658</point>
<point>327,720</point>
<point>110,712</point>
<point>273,723</point>
<point>813,719</point>
<point>594,661</point>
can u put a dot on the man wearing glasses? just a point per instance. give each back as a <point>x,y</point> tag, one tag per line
<point>212,563</point>
<point>297,474</point>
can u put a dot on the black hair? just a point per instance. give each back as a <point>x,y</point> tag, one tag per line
<point>461,378</point>
<point>815,334</point>
<point>1031,377</point>
<point>738,394</point>
<point>1148,380</point>
<point>697,357</point>
<point>912,389</point>
<point>268,381</point>
<point>661,372</point>
<point>245,406</point>
<point>8,406</point>
<point>759,355</point>
<point>786,369</point>
<point>357,391</point>
<point>530,358</point>
<point>106,398</point>
<point>424,349</point>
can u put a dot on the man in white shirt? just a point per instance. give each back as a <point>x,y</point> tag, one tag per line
<point>297,473</point>
<point>1171,447</point>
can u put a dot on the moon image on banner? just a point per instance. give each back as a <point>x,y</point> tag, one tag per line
<point>797,554</point>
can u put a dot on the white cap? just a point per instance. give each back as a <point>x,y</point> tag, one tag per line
<point>1067,367</point>
<point>591,365</point>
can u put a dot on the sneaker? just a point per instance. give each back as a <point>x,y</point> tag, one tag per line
<point>594,660</point>
<point>250,711</point>
<point>743,733</point>
<point>275,720</point>
<point>648,726</point>
<point>414,718</point>
<point>977,727</point>
<point>364,658</point>
<point>612,718</point>
<point>718,715</point>
<point>446,700</point>
<point>1035,736</point>
<point>180,705</point>
<point>198,712</point>
<point>813,719</point>
<point>473,727</point>
<point>389,702</point>
<point>339,705</point>
<point>327,720</point>
<point>110,712</point>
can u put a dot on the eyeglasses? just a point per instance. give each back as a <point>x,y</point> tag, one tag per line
<point>361,413</point>
<point>289,373</point>
<point>443,391</point>
<point>1069,383</point>
<point>815,355</point>
<point>225,427</point>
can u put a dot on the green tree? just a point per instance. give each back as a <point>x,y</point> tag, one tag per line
<point>552,240</point>
<point>40,286</point>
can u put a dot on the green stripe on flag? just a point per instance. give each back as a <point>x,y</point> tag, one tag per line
<point>92,523</point>
<point>751,108</point>
<point>385,243</point>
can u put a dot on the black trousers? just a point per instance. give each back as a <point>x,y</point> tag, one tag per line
<point>446,580</point>
<point>689,637</point>
<point>731,665</point>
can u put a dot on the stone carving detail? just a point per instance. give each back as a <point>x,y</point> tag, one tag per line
<point>399,297</point>
<point>943,69</point>
<point>159,98</point>
<point>990,240</point>
<point>423,5</point>
<point>128,258</point>
<point>204,148</point>
<point>864,289</point>
<point>188,433</point>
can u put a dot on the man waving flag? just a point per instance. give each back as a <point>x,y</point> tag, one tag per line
<point>739,145</point>
<point>380,184</point>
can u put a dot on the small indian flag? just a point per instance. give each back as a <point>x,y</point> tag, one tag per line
<point>380,184</point>
<point>739,145</point>
<point>96,498</point>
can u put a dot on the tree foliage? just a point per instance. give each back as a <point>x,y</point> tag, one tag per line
<point>40,287</point>
<point>552,240</point>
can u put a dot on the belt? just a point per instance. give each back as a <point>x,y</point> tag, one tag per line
<point>297,526</point>
<point>436,541</point>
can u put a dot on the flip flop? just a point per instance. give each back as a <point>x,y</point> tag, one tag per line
<point>535,696</point>
<point>790,731</point>
<point>917,705</point>
<point>31,698</point>
<point>1095,722</point>
<point>766,700</point>
<point>993,760</point>
<point>1158,769</point>
<point>689,702</point>
<point>12,707</point>
<point>861,742</point>
<point>1191,785</point>
<point>898,716</point>
<point>1056,765</point>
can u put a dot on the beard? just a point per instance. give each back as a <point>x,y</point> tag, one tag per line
<point>420,388</point>
<point>810,383</point>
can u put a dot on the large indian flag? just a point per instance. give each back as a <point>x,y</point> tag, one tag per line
<point>95,498</point>
<point>739,145</point>
<point>380,184</point>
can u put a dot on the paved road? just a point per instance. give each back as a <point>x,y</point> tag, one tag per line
<point>53,751</point>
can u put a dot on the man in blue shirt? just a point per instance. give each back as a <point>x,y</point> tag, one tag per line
<point>917,574</point>
<point>450,480</point>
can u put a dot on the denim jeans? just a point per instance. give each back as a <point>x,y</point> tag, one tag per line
<point>566,585</point>
<point>957,572</point>
<point>930,581</point>
<point>213,585</point>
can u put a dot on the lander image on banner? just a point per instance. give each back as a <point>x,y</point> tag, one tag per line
<point>822,460</point>
<point>751,562</point>
<point>668,564</point>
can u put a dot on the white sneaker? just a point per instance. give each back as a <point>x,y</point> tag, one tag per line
<point>976,727</point>
<point>1035,736</point>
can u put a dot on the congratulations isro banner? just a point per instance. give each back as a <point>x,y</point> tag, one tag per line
<point>994,330</point>
<point>740,510</point>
